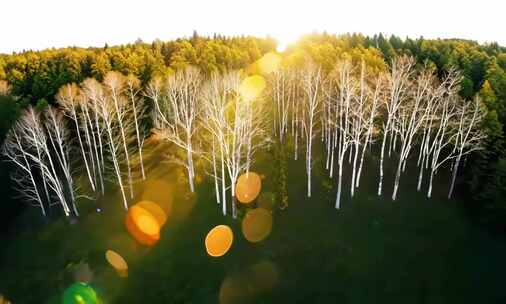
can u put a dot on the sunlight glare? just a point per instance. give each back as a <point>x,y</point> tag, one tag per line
<point>251,87</point>
<point>160,192</point>
<point>269,63</point>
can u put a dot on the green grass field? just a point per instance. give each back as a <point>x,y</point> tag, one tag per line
<point>372,250</point>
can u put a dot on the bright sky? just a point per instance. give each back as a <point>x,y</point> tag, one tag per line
<point>38,24</point>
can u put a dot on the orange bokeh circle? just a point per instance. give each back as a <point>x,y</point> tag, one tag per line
<point>219,240</point>
<point>156,211</point>
<point>257,225</point>
<point>248,187</point>
<point>142,226</point>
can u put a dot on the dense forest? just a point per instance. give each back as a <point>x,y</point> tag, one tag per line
<point>38,79</point>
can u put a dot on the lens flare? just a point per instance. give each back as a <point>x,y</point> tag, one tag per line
<point>142,226</point>
<point>265,274</point>
<point>267,200</point>
<point>251,87</point>
<point>160,192</point>
<point>219,240</point>
<point>3,300</point>
<point>269,63</point>
<point>155,210</point>
<point>257,225</point>
<point>248,187</point>
<point>233,291</point>
<point>80,293</point>
<point>246,285</point>
<point>117,262</point>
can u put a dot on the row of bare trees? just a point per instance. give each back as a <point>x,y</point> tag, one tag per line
<point>98,121</point>
<point>211,119</point>
<point>205,118</point>
<point>353,107</point>
<point>99,128</point>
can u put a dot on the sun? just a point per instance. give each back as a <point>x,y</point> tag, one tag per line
<point>284,40</point>
<point>281,46</point>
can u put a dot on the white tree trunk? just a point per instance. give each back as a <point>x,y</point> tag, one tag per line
<point>355,157</point>
<point>223,185</point>
<point>339,184</point>
<point>382,155</point>
<point>454,175</point>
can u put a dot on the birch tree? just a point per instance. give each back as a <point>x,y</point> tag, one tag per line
<point>59,139</point>
<point>16,150</point>
<point>411,115</point>
<point>133,92</point>
<point>442,138</point>
<point>114,84</point>
<point>442,99</point>
<point>345,87</point>
<point>295,87</point>
<point>234,125</point>
<point>27,147</point>
<point>176,111</point>
<point>93,95</point>
<point>359,124</point>
<point>282,94</point>
<point>68,99</point>
<point>397,87</point>
<point>311,84</point>
<point>469,135</point>
<point>375,93</point>
<point>114,139</point>
<point>215,95</point>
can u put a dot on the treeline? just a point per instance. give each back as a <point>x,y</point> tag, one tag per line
<point>224,118</point>
<point>39,74</point>
<point>483,70</point>
<point>35,78</point>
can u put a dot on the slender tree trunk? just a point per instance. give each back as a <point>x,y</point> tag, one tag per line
<point>223,185</point>
<point>352,188</point>
<point>327,162</point>
<point>123,137</point>
<point>429,192</point>
<point>137,134</point>
<point>82,151</point>
<point>331,161</point>
<point>32,179</point>
<point>296,142</point>
<point>234,205</point>
<point>117,169</point>
<point>397,178</point>
<point>190,166</point>
<point>308,161</point>
<point>454,175</point>
<point>362,161</point>
<point>390,144</point>
<point>339,182</point>
<point>420,176</point>
<point>99,136</point>
<point>90,146</point>
<point>382,155</point>
<point>95,149</point>
<point>216,188</point>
